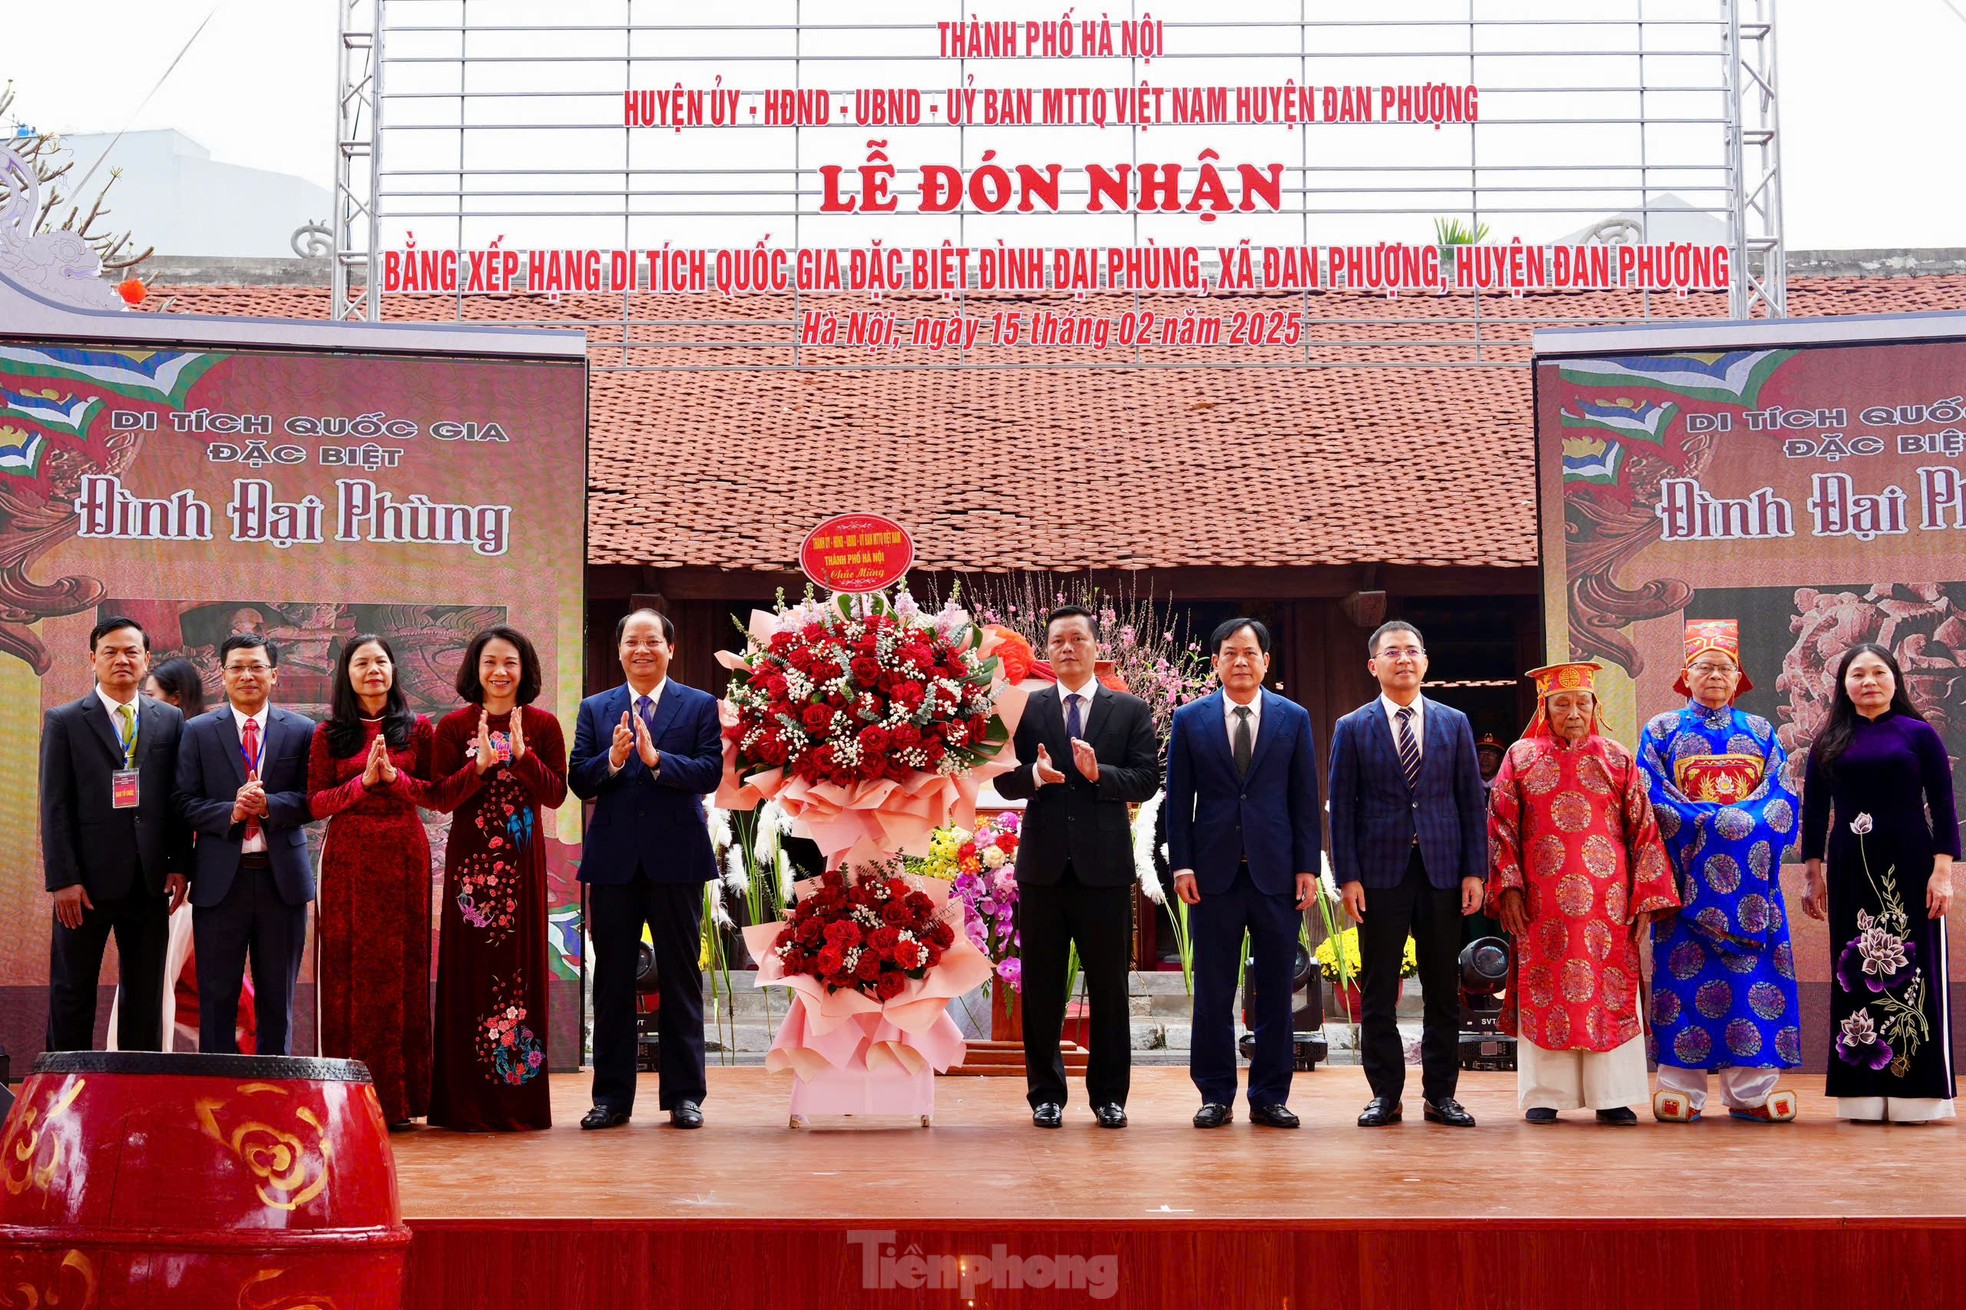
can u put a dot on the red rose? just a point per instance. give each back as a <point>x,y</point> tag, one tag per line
<point>905,736</point>
<point>908,955</point>
<point>1007,843</point>
<point>873,740</point>
<point>813,632</point>
<point>866,670</point>
<point>832,878</point>
<point>842,933</point>
<point>830,960</point>
<point>920,903</point>
<point>935,750</point>
<point>870,966</point>
<point>909,693</point>
<point>886,936</point>
<point>836,699</point>
<point>818,718</point>
<point>979,727</point>
<point>941,933</point>
<point>891,985</point>
<point>966,851</point>
<point>894,912</point>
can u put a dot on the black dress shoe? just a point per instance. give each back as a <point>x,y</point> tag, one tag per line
<point>603,1116</point>
<point>1448,1111</point>
<point>1110,1115</point>
<point>1273,1116</point>
<point>1213,1115</point>
<point>1048,1115</point>
<point>1379,1113</point>
<point>686,1114</point>
<point>1542,1114</point>
<point>1621,1116</point>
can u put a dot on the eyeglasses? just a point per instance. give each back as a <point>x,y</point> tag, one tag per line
<point>1400,653</point>
<point>1709,670</point>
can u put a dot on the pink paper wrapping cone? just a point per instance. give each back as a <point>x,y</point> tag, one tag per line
<point>849,1029</point>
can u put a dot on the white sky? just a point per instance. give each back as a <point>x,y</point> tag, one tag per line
<point>1868,94</point>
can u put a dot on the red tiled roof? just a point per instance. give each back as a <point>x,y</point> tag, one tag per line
<point>1067,467</point>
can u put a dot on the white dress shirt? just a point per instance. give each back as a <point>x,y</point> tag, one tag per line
<point>1085,693</point>
<point>111,704</point>
<point>1255,708</point>
<point>635,708</point>
<point>1393,708</point>
<point>257,842</point>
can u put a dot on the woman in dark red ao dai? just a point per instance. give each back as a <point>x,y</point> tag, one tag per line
<point>491,961</point>
<point>369,772</point>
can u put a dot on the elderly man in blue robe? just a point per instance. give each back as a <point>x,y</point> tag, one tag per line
<point>1723,977</point>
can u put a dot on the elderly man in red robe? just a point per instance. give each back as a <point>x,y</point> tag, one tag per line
<point>1578,870</point>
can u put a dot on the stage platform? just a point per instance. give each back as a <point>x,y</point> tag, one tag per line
<point>747,1213</point>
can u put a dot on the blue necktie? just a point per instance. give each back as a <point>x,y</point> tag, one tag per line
<point>1074,725</point>
<point>645,711</point>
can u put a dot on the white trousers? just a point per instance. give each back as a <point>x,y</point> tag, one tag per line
<point>1741,1089</point>
<point>1590,1080</point>
<point>176,948</point>
<point>1892,1109</point>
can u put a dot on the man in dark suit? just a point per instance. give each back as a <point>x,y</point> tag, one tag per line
<point>1409,848</point>
<point>113,849</point>
<point>1083,752</point>
<point>1243,834</point>
<point>242,786</point>
<point>646,753</point>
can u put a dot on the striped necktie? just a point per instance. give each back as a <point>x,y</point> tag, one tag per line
<point>1409,750</point>
<point>128,734</point>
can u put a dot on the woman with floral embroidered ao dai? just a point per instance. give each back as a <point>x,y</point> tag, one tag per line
<point>1880,769</point>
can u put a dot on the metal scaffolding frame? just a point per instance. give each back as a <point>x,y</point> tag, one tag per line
<point>356,289</point>
<point>1738,184</point>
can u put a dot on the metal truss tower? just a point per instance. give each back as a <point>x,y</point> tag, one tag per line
<point>1754,157</point>
<point>359,63</point>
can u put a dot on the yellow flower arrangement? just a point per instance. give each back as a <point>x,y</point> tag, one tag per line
<point>1328,957</point>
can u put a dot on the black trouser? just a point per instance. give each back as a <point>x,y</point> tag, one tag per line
<point>1218,923</point>
<point>674,915</point>
<point>1099,921</point>
<point>141,921</point>
<point>250,918</point>
<point>1432,915</point>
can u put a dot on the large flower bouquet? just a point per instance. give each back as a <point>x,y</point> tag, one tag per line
<point>870,934</point>
<point>869,720</point>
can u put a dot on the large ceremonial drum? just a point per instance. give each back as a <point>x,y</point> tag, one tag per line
<point>223,1182</point>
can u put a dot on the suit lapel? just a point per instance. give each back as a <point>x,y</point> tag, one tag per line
<point>150,726</point>
<point>105,730</point>
<point>1267,731</point>
<point>234,748</point>
<point>1433,736</point>
<point>665,710</point>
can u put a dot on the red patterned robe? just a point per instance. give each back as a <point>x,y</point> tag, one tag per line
<point>1571,828</point>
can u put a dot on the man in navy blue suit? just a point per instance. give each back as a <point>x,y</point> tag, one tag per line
<point>242,787</point>
<point>1409,848</point>
<point>646,753</point>
<point>1243,837</point>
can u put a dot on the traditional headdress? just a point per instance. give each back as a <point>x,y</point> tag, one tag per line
<point>1709,636</point>
<point>1578,675</point>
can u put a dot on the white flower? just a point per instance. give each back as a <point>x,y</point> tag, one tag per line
<point>992,857</point>
<point>719,828</point>
<point>1861,824</point>
<point>1883,952</point>
<point>1143,850</point>
<point>1858,1030</point>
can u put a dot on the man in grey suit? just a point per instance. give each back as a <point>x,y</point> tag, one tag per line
<point>1409,848</point>
<point>242,786</point>
<point>110,840</point>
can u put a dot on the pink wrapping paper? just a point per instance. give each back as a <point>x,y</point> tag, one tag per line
<point>868,821</point>
<point>848,1029</point>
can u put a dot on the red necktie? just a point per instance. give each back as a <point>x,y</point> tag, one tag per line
<point>251,746</point>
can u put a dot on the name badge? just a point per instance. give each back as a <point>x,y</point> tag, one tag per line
<point>123,789</point>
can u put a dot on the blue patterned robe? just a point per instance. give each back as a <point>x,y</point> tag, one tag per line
<point>1723,973</point>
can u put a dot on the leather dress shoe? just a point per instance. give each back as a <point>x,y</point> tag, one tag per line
<point>1379,1113</point>
<point>1541,1114</point>
<point>1272,1116</point>
<point>686,1114</point>
<point>1448,1111</point>
<point>1622,1116</point>
<point>1048,1115</point>
<point>1110,1115</point>
<point>1213,1115</point>
<point>604,1116</point>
